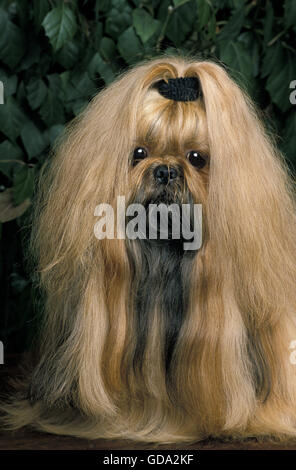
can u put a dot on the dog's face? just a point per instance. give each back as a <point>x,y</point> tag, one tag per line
<point>170,159</point>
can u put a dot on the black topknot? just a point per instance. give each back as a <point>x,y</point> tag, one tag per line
<point>179,89</point>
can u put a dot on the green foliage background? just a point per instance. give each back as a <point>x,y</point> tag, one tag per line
<point>55,55</point>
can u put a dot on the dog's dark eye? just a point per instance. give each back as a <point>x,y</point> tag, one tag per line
<point>139,154</point>
<point>196,159</point>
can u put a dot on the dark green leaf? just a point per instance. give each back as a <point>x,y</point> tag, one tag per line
<point>55,85</point>
<point>69,91</point>
<point>31,57</point>
<point>273,60</point>
<point>144,24</point>
<point>40,9</point>
<point>180,23</point>
<point>97,34</point>
<point>251,44</point>
<point>12,44</point>
<point>290,13</point>
<point>60,25</point>
<point>54,132</point>
<point>107,49</point>
<point>163,10</point>
<point>83,84</point>
<point>237,57</point>
<point>22,13</point>
<point>97,65</point>
<point>212,27</point>
<point>36,92</point>
<point>67,56</point>
<point>119,18</point>
<point>236,3</point>
<point>268,22</point>
<point>12,118</point>
<point>178,3</point>
<point>23,184</point>
<point>79,106</point>
<point>9,153</point>
<point>203,13</point>
<point>233,26</point>
<point>129,46</point>
<point>52,110</point>
<point>103,5</point>
<point>33,140</point>
<point>21,93</point>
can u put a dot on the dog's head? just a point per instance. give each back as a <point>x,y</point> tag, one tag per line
<point>171,154</point>
<point>169,163</point>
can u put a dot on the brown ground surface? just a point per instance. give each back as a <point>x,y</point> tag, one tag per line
<point>31,440</point>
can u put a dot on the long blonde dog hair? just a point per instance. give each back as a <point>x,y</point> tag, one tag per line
<point>231,370</point>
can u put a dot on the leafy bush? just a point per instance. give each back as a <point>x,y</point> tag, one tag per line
<point>55,55</point>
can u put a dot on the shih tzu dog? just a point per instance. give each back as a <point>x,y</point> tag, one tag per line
<point>142,339</point>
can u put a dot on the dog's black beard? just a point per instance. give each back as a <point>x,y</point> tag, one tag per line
<point>161,282</point>
<point>169,196</point>
<point>174,234</point>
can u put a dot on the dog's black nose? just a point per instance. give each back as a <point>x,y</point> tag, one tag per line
<point>163,174</point>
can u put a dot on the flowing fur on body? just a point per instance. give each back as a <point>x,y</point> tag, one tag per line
<point>145,341</point>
